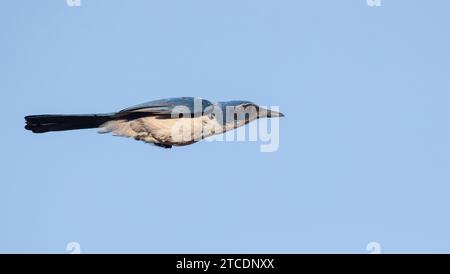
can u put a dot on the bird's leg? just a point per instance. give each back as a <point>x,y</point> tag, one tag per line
<point>163,145</point>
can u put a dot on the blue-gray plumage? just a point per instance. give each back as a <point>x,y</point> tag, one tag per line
<point>195,106</point>
<point>165,123</point>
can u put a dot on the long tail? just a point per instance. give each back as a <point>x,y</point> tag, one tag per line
<point>46,123</point>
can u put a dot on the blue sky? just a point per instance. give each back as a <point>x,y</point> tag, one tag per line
<point>364,147</point>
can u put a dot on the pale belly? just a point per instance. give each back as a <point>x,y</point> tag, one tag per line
<point>177,132</point>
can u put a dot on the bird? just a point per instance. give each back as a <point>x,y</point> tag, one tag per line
<point>164,123</point>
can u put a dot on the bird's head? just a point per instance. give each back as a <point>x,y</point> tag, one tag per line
<point>243,112</point>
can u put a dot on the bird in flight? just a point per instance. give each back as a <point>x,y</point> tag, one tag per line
<point>164,123</point>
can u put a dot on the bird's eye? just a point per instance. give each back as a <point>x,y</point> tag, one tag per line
<point>212,115</point>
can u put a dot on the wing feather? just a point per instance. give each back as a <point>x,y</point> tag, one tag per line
<point>169,107</point>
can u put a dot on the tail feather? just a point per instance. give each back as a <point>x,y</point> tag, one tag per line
<point>46,123</point>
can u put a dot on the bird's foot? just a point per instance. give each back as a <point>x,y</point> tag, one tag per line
<point>163,145</point>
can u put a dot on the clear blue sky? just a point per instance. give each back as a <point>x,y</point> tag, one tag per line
<point>365,145</point>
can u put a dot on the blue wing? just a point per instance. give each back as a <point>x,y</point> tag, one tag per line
<point>166,107</point>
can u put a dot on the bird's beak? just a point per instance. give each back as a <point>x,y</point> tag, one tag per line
<point>269,113</point>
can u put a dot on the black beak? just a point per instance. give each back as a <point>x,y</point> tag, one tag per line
<point>269,113</point>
